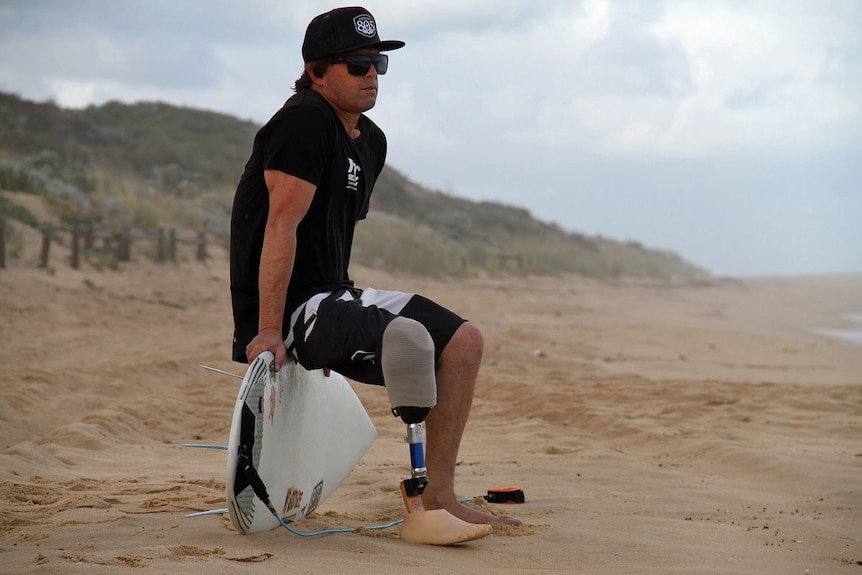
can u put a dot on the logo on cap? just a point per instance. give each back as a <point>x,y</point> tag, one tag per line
<point>364,24</point>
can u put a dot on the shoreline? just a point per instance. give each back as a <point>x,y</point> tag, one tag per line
<point>849,332</point>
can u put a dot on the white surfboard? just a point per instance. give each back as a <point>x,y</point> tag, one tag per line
<point>301,432</point>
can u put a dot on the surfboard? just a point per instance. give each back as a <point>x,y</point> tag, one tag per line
<point>297,434</point>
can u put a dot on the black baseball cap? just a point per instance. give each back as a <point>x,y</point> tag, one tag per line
<point>341,30</point>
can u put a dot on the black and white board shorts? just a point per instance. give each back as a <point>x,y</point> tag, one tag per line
<point>343,330</point>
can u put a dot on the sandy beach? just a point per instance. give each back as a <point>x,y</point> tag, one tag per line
<point>655,429</point>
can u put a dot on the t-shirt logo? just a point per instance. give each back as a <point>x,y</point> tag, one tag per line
<point>353,170</point>
<point>364,24</point>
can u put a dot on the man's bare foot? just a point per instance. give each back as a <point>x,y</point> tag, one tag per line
<point>469,514</point>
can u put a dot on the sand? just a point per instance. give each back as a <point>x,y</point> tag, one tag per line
<point>655,428</point>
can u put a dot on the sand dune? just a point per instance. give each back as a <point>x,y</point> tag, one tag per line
<point>654,428</point>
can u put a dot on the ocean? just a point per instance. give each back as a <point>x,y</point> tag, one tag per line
<point>852,333</point>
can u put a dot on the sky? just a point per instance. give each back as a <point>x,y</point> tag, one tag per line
<point>726,131</point>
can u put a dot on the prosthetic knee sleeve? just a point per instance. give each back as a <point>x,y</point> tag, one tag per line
<point>408,367</point>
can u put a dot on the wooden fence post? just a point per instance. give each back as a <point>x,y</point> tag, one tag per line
<point>160,245</point>
<point>124,246</point>
<point>76,245</point>
<point>46,246</point>
<point>202,246</point>
<point>118,240</point>
<point>89,234</point>
<point>2,243</point>
<point>172,245</point>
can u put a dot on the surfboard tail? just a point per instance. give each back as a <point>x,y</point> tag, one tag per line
<point>294,437</point>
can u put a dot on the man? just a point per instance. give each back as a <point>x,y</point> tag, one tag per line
<point>307,183</point>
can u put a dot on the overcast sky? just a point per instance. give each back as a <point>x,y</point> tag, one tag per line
<point>728,131</point>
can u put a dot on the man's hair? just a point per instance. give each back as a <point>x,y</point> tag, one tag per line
<point>319,67</point>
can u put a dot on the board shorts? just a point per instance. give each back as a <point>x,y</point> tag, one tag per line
<point>343,330</point>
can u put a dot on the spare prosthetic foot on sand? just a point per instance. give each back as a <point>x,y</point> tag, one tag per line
<point>408,368</point>
<point>439,527</point>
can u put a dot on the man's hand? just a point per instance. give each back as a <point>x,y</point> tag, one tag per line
<point>269,339</point>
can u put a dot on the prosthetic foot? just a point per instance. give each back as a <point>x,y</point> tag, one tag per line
<point>408,368</point>
<point>437,526</point>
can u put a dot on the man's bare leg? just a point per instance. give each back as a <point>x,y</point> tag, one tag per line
<point>444,426</point>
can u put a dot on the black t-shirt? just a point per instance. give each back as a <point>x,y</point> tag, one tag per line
<point>306,139</point>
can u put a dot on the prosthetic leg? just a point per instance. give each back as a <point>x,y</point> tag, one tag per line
<point>408,368</point>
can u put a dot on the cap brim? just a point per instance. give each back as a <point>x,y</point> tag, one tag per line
<point>389,45</point>
<point>383,46</point>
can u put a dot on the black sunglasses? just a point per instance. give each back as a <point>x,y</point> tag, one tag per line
<point>358,64</point>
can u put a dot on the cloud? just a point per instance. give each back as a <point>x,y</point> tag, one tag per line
<point>628,60</point>
<point>133,50</point>
<point>757,76</point>
<point>640,78</point>
<point>422,21</point>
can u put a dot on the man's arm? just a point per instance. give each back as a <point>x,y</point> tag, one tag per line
<point>289,200</point>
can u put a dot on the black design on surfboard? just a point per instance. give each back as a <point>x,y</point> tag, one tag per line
<point>248,451</point>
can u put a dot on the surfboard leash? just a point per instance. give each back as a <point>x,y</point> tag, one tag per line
<point>317,533</point>
<point>245,466</point>
<point>498,495</point>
